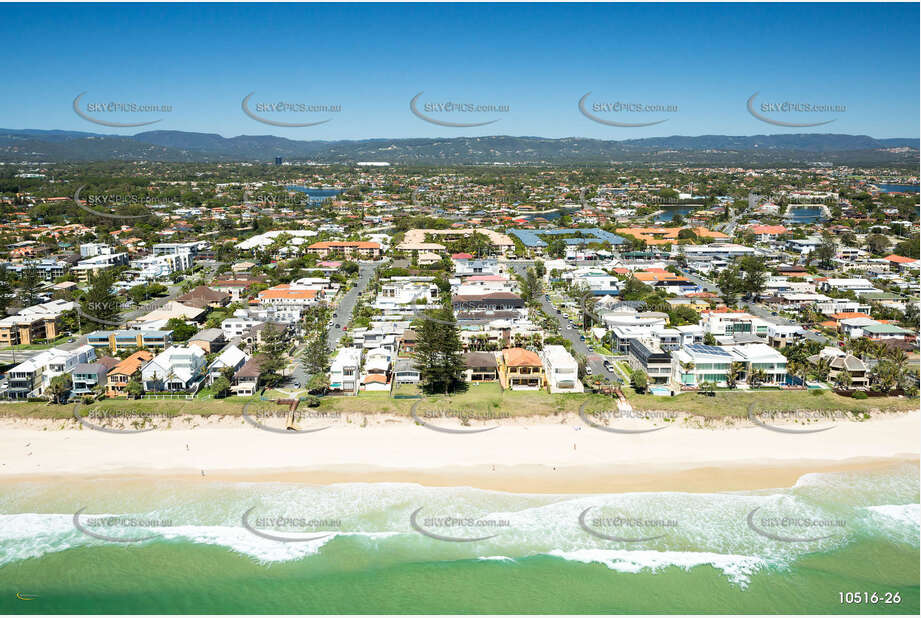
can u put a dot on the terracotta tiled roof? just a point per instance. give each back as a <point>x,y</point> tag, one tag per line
<point>519,357</point>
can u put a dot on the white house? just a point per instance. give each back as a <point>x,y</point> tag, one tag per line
<point>344,371</point>
<point>561,369</point>
<point>175,369</point>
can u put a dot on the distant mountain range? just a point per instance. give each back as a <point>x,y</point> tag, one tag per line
<point>59,146</point>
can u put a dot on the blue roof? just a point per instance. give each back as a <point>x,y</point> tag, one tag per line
<point>531,238</point>
<point>707,349</point>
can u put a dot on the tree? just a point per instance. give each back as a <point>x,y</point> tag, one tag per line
<point>634,289</point>
<point>825,253</point>
<point>640,381</point>
<point>736,369</point>
<point>6,293</point>
<point>877,244</point>
<point>99,304</point>
<point>438,352</point>
<point>709,339</point>
<point>687,234</point>
<point>556,248</point>
<point>316,355</point>
<point>134,389</point>
<point>730,284</point>
<point>28,285</point>
<point>909,248</point>
<point>272,353</point>
<point>757,377</point>
<point>318,383</point>
<point>843,380</point>
<point>181,331</point>
<point>221,387</point>
<point>59,388</point>
<point>821,368</point>
<point>754,274</point>
<point>540,269</point>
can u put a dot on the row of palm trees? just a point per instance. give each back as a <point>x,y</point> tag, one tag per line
<point>755,377</point>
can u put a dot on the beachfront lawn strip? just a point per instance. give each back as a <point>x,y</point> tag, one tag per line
<point>491,400</point>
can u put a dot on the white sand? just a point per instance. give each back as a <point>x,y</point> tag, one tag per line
<point>42,448</point>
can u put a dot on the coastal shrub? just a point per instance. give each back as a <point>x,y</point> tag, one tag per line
<point>311,401</point>
<point>815,393</point>
<point>859,395</point>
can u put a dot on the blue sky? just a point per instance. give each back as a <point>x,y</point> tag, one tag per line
<point>537,59</point>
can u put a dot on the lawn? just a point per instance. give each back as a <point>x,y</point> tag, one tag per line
<point>735,403</point>
<point>489,400</point>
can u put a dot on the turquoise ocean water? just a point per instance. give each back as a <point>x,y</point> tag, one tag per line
<point>852,532</point>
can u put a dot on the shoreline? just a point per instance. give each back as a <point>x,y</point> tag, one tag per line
<point>534,455</point>
<point>522,479</point>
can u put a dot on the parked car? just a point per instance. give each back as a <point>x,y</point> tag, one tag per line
<point>588,370</point>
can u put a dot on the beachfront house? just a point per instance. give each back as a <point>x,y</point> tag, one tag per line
<point>561,369</point>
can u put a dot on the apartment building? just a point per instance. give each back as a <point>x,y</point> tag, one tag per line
<point>32,377</point>
<point>115,341</point>
<point>350,249</point>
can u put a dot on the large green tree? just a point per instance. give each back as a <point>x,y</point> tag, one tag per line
<point>99,306</point>
<point>438,352</point>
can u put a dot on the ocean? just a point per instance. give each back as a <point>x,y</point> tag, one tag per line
<point>215,548</point>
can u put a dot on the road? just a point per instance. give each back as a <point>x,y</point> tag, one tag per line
<point>592,359</point>
<point>343,312</point>
<point>704,284</point>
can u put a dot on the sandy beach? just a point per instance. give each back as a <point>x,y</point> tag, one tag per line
<point>534,454</point>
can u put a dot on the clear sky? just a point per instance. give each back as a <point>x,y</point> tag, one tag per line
<point>537,59</point>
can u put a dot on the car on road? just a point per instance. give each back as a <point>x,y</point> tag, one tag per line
<point>581,337</point>
<point>71,340</point>
<point>336,326</point>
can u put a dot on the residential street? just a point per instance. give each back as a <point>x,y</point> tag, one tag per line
<point>592,359</point>
<point>343,312</point>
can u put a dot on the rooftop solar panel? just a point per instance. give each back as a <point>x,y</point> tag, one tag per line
<point>707,349</point>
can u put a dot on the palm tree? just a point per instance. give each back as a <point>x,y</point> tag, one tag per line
<point>822,368</point>
<point>736,369</point>
<point>884,375</point>
<point>843,380</point>
<point>756,377</point>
